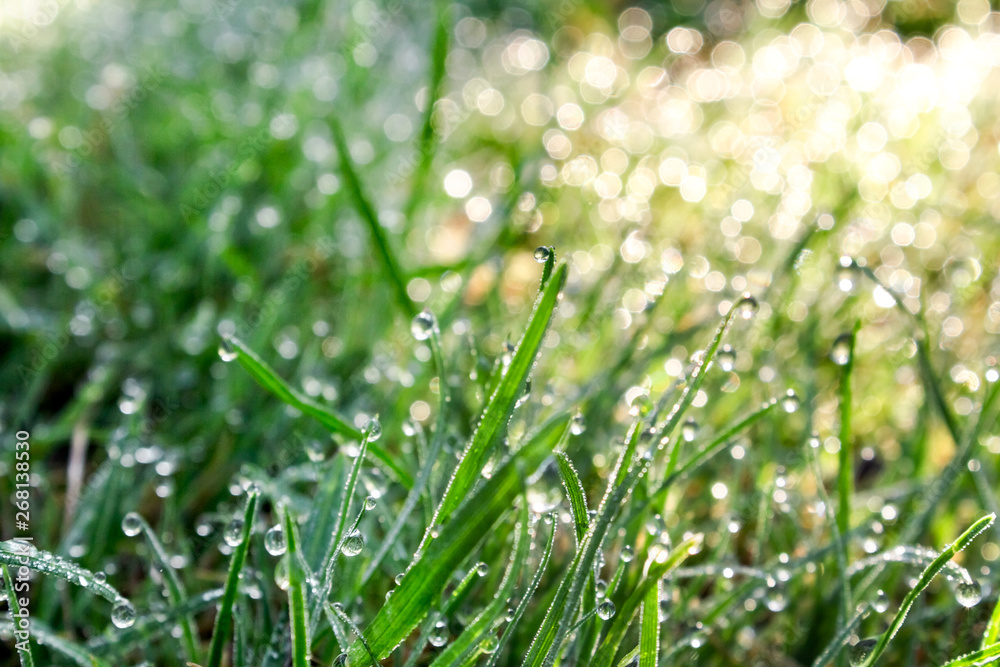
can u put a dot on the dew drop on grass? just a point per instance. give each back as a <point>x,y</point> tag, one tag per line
<point>131,524</point>
<point>123,614</point>
<point>689,430</point>
<point>840,353</point>
<point>542,254</point>
<point>747,306</point>
<point>274,540</point>
<point>881,602</point>
<point>577,425</point>
<point>422,325</point>
<point>439,635</point>
<point>399,578</point>
<point>847,274</point>
<point>726,358</point>
<point>641,405</point>
<point>482,569</point>
<point>436,531</point>
<point>606,610</point>
<point>353,544</point>
<point>968,593</point>
<point>490,644</point>
<point>627,554</point>
<point>860,651</point>
<point>281,574</point>
<point>234,533</point>
<point>510,614</point>
<point>340,660</point>
<point>226,351</point>
<point>374,429</point>
<point>790,402</point>
<point>600,588</point>
<point>100,577</point>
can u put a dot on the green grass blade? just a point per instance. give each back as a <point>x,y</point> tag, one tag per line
<point>390,264</point>
<point>830,652</point>
<point>983,656</point>
<point>623,618</point>
<point>14,553</point>
<point>574,491</point>
<point>925,579</point>
<point>22,637</point>
<point>500,406</point>
<point>268,379</point>
<point>473,521</point>
<point>845,477</point>
<point>649,627</point>
<point>175,589</point>
<point>224,619</point>
<point>473,635</point>
<point>993,628</point>
<point>78,655</point>
<point>298,620</point>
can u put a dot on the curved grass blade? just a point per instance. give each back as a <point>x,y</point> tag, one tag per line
<point>472,637</point>
<point>983,656</point>
<point>574,491</point>
<point>508,632</point>
<point>649,627</point>
<point>924,581</point>
<point>22,637</point>
<point>390,264</point>
<point>623,618</point>
<point>830,652</point>
<point>268,379</point>
<point>421,587</point>
<point>14,553</point>
<point>175,589</point>
<point>498,410</point>
<point>224,619</point>
<point>67,649</point>
<point>298,621</point>
<point>153,625</point>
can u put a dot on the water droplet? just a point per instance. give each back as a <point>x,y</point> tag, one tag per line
<point>689,430</point>
<point>490,644</point>
<point>370,503</point>
<point>353,544</point>
<point>847,274</point>
<point>439,635</point>
<point>482,569</point>
<point>814,441</point>
<point>606,610</point>
<point>234,533</point>
<point>226,351</point>
<point>860,651</point>
<point>627,554</point>
<point>436,530</point>
<point>423,325</point>
<point>790,403</point>
<point>968,593</point>
<point>747,306</point>
<point>881,602</point>
<point>123,614</point>
<point>510,614</point>
<point>399,578</point>
<point>577,425</point>
<point>374,429</point>
<point>340,660</point>
<point>542,254</point>
<point>726,358</point>
<point>274,541</point>
<point>281,573</point>
<point>840,353</point>
<point>131,524</point>
<point>641,406</point>
<point>100,577</point>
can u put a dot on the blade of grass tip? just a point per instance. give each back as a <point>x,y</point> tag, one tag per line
<point>268,379</point>
<point>548,256</point>
<point>983,656</point>
<point>658,569</point>
<point>746,307</point>
<point>526,597</point>
<point>338,611</point>
<point>474,520</point>
<point>18,620</point>
<point>425,149</point>
<point>390,264</point>
<point>473,635</point>
<point>175,589</point>
<point>629,658</point>
<point>574,491</point>
<point>224,618</point>
<point>298,621</point>
<point>16,553</point>
<point>925,579</point>
<point>499,408</point>
<point>649,627</point>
